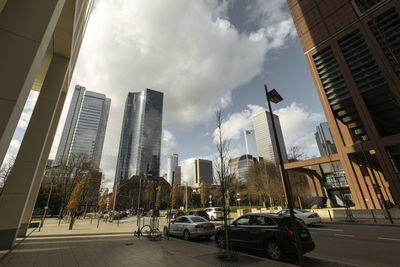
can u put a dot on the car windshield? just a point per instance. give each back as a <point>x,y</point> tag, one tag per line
<point>198,219</point>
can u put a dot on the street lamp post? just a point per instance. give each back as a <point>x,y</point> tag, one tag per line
<point>276,98</point>
<point>46,207</point>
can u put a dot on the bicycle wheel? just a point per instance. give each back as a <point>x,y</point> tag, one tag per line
<point>146,231</point>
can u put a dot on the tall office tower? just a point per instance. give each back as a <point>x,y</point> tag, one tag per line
<point>172,162</point>
<point>353,51</point>
<point>203,172</point>
<point>239,167</point>
<point>326,145</point>
<point>140,144</point>
<point>266,145</point>
<point>178,177</point>
<point>85,128</point>
<point>250,141</point>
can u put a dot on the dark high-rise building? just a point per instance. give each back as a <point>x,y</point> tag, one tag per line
<point>323,136</point>
<point>140,144</point>
<point>203,172</point>
<point>352,48</point>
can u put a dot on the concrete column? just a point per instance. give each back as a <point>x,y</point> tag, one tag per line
<point>37,180</point>
<point>13,200</point>
<point>26,28</point>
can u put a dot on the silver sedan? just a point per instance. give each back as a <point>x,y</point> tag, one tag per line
<point>190,227</point>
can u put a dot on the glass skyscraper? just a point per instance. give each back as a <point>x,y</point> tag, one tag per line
<point>140,144</point>
<point>84,128</point>
<point>326,145</point>
<point>266,145</point>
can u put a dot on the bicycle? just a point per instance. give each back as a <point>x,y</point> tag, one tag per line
<point>149,232</point>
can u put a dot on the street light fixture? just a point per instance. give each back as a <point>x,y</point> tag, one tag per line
<point>275,97</point>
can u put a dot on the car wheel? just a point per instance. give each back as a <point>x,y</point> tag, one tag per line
<point>220,239</point>
<point>274,250</point>
<point>165,232</point>
<point>186,235</point>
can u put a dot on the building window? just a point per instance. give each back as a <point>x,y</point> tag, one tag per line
<point>382,105</point>
<point>386,29</point>
<point>361,6</point>
<point>337,92</point>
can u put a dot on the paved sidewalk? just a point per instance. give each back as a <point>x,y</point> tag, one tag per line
<point>110,245</point>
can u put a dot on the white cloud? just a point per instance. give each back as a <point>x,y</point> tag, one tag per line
<point>168,143</point>
<point>27,111</point>
<point>236,123</point>
<point>187,49</point>
<point>298,126</point>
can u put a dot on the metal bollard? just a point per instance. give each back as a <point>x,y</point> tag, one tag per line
<point>98,222</point>
<point>373,215</point>
<point>330,217</point>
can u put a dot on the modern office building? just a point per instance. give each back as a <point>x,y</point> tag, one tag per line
<point>240,166</point>
<point>326,145</point>
<point>40,42</point>
<point>203,172</point>
<point>140,144</point>
<point>250,142</point>
<point>85,127</point>
<point>172,163</point>
<point>178,175</point>
<point>266,145</point>
<point>353,51</point>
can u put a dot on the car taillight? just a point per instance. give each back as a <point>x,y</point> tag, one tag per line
<point>311,216</point>
<point>214,212</point>
<point>288,232</point>
<point>198,226</point>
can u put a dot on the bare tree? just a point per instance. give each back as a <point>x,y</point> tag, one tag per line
<point>5,171</point>
<point>221,168</point>
<point>296,154</point>
<point>264,182</point>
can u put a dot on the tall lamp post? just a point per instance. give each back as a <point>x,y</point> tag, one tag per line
<point>276,98</point>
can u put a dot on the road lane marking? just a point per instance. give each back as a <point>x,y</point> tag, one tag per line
<point>328,229</point>
<point>344,235</point>
<point>391,239</point>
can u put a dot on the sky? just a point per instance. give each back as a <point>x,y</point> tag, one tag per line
<point>203,55</point>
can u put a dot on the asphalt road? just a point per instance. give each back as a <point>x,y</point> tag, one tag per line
<point>348,245</point>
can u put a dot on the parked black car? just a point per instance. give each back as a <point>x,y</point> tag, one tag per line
<point>201,213</point>
<point>175,213</point>
<point>264,231</point>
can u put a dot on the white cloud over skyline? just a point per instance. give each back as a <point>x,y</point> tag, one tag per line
<point>191,51</point>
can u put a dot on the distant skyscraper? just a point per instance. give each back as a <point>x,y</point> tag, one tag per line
<point>250,141</point>
<point>266,145</point>
<point>203,172</point>
<point>84,128</point>
<point>140,144</point>
<point>324,139</point>
<point>172,163</point>
<point>240,166</point>
<point>177,177</point>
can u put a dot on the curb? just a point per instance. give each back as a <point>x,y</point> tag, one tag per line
<point>366,224</point>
